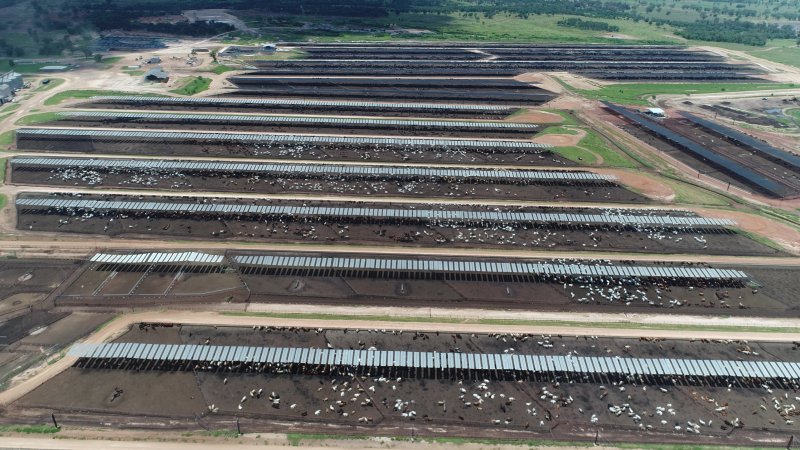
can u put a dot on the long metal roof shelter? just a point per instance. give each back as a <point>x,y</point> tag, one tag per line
<point>291,168</point>
<point>276,138</point>
<point>389,213</point>
<point>157,257</point>
<point>289,120</point>
<point>732,167</point>
<point>298,102</point>
<point>734,135</point>
<point>579,365</point>
<point>452,266</point>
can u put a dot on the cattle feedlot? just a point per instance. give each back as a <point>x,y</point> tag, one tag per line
<point>401,244</point>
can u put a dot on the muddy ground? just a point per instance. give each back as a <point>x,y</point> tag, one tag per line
<point>777,298</point>
<point>333,128</point>
<point>303,109</point>
<point>139,286</point>
<point>384,405</point>
<point>769,291</point>
<point>298,183</point>
<point>324,152</point>
<point>637,238</point>
<point>24,283</point>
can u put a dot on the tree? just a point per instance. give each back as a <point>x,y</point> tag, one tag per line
<point>98,57</point>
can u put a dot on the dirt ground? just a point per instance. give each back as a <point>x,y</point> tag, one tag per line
<point>770,291</point>
<point>561,140</point>
<point>96,286</point>
<point>344,129</point>
<point>646,185</point>
<point>334,184</point>
<point>16,328</point>
<point>707,240</point>
<point>304,109</point>
<point>25,282</point>
<point>775,296</point>
<point>330,152</point>
<point>787,178</point>
<point>523,408</point>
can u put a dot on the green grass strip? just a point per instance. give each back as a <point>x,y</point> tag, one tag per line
<point>38,429</point>
<point>296,439</point>
<point>89,93</point>
<point>39,118</point>
<point>219,69</point>
<point>7,138</point>
<point>53,83</point>
<point>193,86</point>
<point>639,93</point>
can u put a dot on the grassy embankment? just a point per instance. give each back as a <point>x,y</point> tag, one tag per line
<point>36,119</point>
<point>640,93</point>
<point>192,85</point>
<point>89,93</point>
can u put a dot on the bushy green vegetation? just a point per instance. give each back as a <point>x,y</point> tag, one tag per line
<point>193,86</point>
<point>737,31</point>
<point>574,22</point>
<point>60,27</point>
<point>37,429</point>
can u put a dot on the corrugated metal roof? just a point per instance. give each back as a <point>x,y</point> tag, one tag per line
<point>521,268</point>
<point>280,138</point>
<point>291,168</point>
<point>445,360</point>
<point>422,214</point>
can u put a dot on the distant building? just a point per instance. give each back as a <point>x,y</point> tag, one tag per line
<point>127,43</point>
<point>53,68</point>
<point>248,50</point>
<point>656,112</point>
<point>154,60</point>
<point>13,80</point>
<point>6,94</point>
<point>157,74</point>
